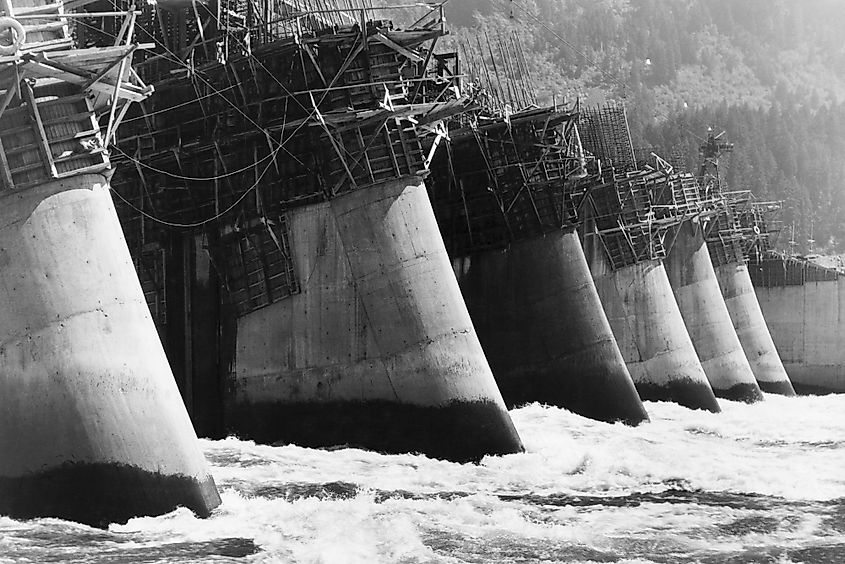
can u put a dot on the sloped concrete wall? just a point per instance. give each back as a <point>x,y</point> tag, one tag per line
<point>92,427</point>
<point>543,328</point>
<point>378,349</point>
<point>649,329</point>
<point>750,325</point>
<point>706,316</point>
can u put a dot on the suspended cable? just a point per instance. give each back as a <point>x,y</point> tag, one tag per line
<point>215,92</point>
<point>196,178</point>
<point>198,223</point>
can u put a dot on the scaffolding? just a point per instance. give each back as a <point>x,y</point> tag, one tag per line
<point>53,96</point>
<point>605,134</point>
<point>741,228</point>
<point>635,214</point>
<point>308,106</point>
<point>494,63</point>
<point>503,179</point>
<point>635,200</point>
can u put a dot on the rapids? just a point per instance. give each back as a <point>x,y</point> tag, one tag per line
<point>756,483</point>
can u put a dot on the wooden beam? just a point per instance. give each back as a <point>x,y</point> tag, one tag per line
<point>313,59</point>
<point>51,26</point>
<point>101,74</point>
<point>9,96</point>
<point>424,66</point>
<point>5,172</point>
<point>126,30</point>
<point>43,144</point>
<point>7,7</point>
<point>119,118</point>
<point>42,59</point>
<point>49,9</point>
<point>381,38</point>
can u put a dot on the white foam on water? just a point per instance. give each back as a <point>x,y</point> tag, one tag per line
<point>757,480</point>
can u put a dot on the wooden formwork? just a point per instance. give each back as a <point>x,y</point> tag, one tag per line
<point>311,111</point>
<point>503,179</point>
<point>51,95</point>
<point>635,214</point>
<point>49,139</point>
<point>742,228</point>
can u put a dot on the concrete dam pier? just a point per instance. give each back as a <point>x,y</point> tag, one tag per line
<point>499,197</point>
<point>644,315</point>
<point>741,232</point>
<point>706,316</point>
<point>377,336</point>
<point>804,304</point>
<point>92,428</point>
<point>628,214</point>
<point>278,214</point>
<point>752,330</point>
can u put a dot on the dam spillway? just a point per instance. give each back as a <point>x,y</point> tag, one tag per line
<point>277,210</point>
<point>499,194</point>
<point>92,428</point>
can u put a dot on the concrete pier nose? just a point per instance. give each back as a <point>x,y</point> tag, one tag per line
<point>629,211</point>
<point>543,328</point>
<point>501,198</point>
<point>751,328</point>
<point>651,333</point>
<point>92,427</point>
<point>706,316</point>
<point>377,350</point>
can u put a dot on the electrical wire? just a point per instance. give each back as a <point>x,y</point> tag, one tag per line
<point>217,216</point>
<point>281,144</point>
<point>209,85</point>
<point>194,178</point>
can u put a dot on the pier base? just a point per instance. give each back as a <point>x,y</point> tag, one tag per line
<point>544,331</point>
<point>92,427</point>
<point>651,334</point>
<point>751,329</point>
<point>377,350</point>
<point>706,316</point>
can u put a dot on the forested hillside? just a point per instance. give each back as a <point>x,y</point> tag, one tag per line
<point>770,72</point>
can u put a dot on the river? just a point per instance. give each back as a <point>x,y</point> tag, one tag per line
<point>756,483</point>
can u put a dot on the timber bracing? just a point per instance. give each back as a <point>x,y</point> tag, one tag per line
<point>635,205</point>
<point>313,105</point>
<point>502,179</point>
<point>743,227</point>
<point>51,94</point>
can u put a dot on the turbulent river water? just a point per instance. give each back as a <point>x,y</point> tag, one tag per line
<point>756,483</point>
